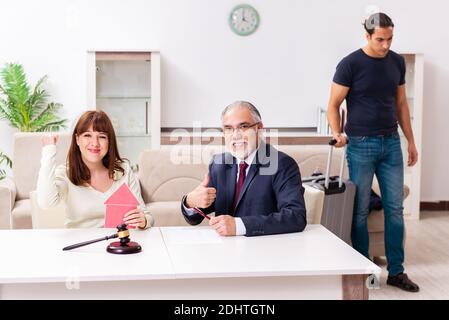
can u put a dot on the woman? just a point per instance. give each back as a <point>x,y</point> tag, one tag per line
<point>94,170</point>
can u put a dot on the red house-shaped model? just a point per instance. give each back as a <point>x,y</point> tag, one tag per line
<point>119,203</point>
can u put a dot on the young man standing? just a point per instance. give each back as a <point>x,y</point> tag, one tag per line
<point>372,80</point>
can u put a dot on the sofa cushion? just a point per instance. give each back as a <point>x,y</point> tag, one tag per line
<point>26,158</point>
<point>21,215</point>
<point>312,158</point>
<point>165,175</point>
<point>314,202</point>
<point>168,213</point>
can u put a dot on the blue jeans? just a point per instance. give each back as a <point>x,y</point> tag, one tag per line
<point>380,155</point>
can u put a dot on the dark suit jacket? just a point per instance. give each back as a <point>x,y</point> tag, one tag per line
<point>271,200</point>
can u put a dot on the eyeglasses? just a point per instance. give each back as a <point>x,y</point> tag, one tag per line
<point>242,128</point>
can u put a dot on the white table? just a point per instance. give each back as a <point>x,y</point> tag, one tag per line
<point>182,263</point>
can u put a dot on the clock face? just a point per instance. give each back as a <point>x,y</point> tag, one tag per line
<point>244,20</point>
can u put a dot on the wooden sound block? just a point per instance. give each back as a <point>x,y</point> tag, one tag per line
<point>118,248</point>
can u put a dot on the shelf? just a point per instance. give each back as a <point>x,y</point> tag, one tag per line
<point>217,132</point>
<point>146,98</point>
<point>122,56</point>
<point>132,135</point>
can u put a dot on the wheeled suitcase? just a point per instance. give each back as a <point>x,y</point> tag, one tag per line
<point>338,198</point>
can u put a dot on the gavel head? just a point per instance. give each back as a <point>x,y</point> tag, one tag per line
<point>125,245</point>
<point>123,234</point>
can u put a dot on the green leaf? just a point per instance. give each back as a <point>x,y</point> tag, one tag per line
<point>47,121</point>
<point>38,99</point>
<point>4,159</point>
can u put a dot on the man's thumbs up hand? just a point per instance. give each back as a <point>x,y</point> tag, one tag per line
<point>206,180</point>
<point>202,196</point>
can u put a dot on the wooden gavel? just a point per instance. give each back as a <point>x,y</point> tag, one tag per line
<point>125,245</point>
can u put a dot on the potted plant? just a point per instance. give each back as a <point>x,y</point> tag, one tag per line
<point>24,108</point>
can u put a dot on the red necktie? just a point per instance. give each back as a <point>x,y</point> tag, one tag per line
<point>242,175</point>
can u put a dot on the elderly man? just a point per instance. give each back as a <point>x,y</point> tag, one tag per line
<point>253,189</point>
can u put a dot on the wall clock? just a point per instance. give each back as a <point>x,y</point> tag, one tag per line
<point>244,20</point>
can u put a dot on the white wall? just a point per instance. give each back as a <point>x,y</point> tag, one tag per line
<point>285,68</point>
<point>53,37</point>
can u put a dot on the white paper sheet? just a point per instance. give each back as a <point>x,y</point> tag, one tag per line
<point>191,236</point>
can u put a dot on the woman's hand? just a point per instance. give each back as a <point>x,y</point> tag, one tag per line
<point>135,218</point>
<point>50,139</point>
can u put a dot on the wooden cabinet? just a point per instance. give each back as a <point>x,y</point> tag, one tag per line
<point>414,89</point>
<point>126,85</point>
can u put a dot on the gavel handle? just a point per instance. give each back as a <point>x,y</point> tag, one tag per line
<point>74,246</point>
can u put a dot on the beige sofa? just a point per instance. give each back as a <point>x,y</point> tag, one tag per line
<point>165,175</point>
<point>16,213</point>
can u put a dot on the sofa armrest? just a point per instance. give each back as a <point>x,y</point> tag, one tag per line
<point>7,200</point>
<point>314,201</point>
<point>376,188</point>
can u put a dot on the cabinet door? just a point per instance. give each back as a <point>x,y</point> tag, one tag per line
<point>123,91</point>
<point>129,116</point>
<point>119,79</point>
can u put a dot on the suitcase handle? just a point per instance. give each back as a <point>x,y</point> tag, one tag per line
<point>332,143</point>
<point>329,161</point>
